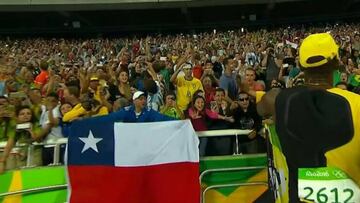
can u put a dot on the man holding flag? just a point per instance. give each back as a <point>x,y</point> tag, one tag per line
<point>110,161</point>
<point>138,112</point>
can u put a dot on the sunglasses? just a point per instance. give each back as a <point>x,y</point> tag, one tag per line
<point>244,99</point>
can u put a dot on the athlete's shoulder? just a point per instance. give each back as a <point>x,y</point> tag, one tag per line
<point>350,96</point>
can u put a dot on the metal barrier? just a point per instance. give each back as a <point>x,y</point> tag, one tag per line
<point>34,190</point>
<point>255,183</point>
<point>56,144</point>
<point>229,132</point>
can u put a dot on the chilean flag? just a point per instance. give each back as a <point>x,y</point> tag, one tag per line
<point>133,162</point>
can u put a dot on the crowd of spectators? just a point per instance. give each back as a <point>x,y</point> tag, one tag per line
<point>211,78</point>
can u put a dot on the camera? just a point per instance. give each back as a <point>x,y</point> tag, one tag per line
<point>57,71</point>
<point>88,101</point>
<point>105,89</point>
<point>23,126</point>
<point>271,51</point>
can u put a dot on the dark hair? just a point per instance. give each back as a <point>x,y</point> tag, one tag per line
<point>197,92</point>
<point>253,70</point>
<point>170,93</point>
<point>150,86</point>
<point>207,76</point>
<point>44,65</point>
<point>226,60</point>
<point>197,56</point>
<point>62,104</point>
<point>54,95</point>
<point>219,89</point>
<point>242,92</point>
<point>208,61</point>
<point>271,50</point>
<point>124,69</point>
<point>75,82</point>
<point>19,108</point>
<point>158,66</point>
<point>194,100</point>
<point>293,52</point>
<point>74,90</point>
<point>356,90</point>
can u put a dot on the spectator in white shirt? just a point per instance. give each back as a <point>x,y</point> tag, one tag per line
<point>50,115</point>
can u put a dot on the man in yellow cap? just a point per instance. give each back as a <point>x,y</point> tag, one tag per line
<point>317,126</point>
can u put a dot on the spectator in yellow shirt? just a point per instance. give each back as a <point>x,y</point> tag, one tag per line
<point>186,85</point>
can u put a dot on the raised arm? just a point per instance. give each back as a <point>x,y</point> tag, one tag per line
<point>9,145</point>
<point>173,78</point>
<point>266,106</point>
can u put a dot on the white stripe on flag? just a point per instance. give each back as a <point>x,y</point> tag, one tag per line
<point>146,144</point>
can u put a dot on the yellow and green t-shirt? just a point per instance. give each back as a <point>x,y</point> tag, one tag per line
<point>185,91</point>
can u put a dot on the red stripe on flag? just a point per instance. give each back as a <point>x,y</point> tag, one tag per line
<point>165,183</point>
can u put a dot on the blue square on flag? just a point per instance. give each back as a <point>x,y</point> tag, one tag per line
<point>91,142</point>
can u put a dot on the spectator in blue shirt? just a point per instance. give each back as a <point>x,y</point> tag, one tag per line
<point>138,112</point>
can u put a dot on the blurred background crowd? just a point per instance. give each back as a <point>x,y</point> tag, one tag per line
<point>211,78</point>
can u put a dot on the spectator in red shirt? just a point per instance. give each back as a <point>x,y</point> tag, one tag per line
<point>198,68</point>
<point>42,78</point>
<point>197,71</point>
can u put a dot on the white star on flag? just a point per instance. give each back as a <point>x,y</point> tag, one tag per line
<point>90,142</point>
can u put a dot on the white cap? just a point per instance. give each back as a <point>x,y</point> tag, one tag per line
<point>186,66</point>
<point>137,94</point>
<point>213,59</point>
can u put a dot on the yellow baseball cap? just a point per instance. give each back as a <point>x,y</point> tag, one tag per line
<point>94,78</point>
<point>317,50</point>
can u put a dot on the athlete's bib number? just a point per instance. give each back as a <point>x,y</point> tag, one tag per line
<point>324,195</point>
<point>327,185</point>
